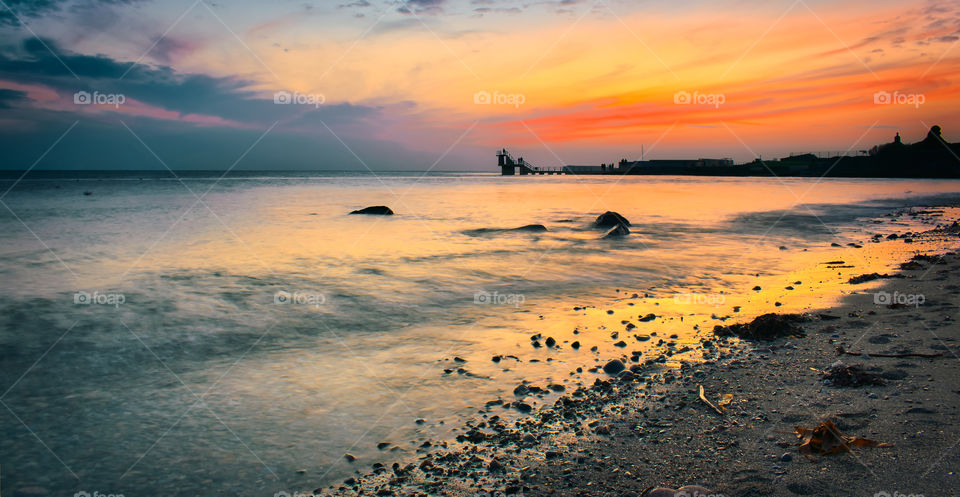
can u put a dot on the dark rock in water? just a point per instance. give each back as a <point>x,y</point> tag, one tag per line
<point>617,231</point>
<point>349,457</point>
<point>575,345</point>
<point>766,327</point>
<point>531,227</point>
<point>620,344</point>
<point>377,210</point>
<point>647,318</point>
<point>610,219</point>
<point>614,367</point>
<point>551,342</point>
<point>522,407</point>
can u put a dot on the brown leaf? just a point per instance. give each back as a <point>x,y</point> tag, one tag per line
<point>826,439</point>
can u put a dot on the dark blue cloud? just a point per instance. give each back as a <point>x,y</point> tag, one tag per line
<point>7,97</point>
<point>301,136</point>
<point>229,98</point>
<point>18,12</point>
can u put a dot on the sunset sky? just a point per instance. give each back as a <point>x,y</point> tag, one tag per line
<point>404,85</point>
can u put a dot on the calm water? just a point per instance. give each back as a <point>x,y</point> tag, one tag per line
<point>247,328</point>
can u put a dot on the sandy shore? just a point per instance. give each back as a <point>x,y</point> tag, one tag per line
<point>647,427</point>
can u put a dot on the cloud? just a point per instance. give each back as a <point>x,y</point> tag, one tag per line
<point>17,12</point>
<point>192,121</point>
<point>7,97</point>
<point>418,7</point>
<point>42,62</point>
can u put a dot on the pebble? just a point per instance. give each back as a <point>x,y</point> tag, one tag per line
<point>787,457</point>
<point>613,367</point>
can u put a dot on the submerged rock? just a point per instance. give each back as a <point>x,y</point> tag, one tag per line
<point>618,231</point>
<point>529,228</point>
<point>536,228</point>
<point>376,210</point>
<point>609,219</point>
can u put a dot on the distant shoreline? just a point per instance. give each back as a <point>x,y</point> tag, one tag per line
<point>933,157</point>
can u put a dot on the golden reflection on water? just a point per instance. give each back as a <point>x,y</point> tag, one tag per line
<point>305,228</point>
<point>380,351</point>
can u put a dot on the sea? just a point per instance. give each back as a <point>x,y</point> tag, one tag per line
<point>202,333</point>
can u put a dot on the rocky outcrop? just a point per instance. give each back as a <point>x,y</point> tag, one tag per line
<point>610,219</point>
<point>618,231</point>
<point>376,210</point>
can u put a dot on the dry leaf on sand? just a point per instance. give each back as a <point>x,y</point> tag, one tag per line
<point>826,439</point>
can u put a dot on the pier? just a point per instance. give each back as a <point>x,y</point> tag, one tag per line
<point>513,167</point>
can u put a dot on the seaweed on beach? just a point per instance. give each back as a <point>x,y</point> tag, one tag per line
<point>863,278</point>
<point>766,327</point>
<point>841,375</point>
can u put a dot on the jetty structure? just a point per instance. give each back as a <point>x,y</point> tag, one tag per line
<point>513,167</point>
<point>932,157</point>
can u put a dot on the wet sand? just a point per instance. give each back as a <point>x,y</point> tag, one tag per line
<point>646,426</point>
